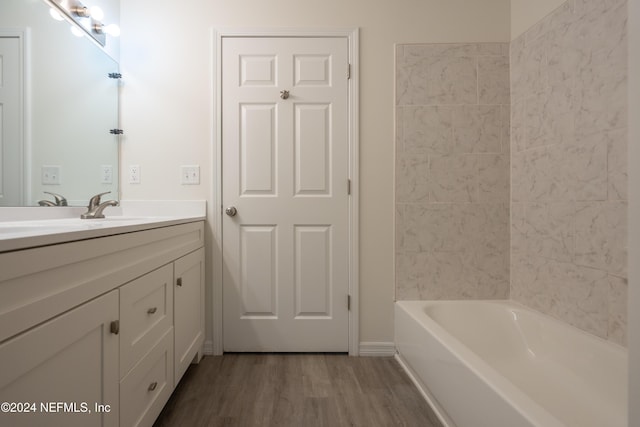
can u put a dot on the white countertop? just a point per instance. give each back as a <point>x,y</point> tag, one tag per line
<point>22,228</point>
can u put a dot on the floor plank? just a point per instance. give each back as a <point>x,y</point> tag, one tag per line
<point>293,390</point>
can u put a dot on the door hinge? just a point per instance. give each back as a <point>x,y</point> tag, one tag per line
<point>348,302</point>
<point>348,71</point>
<point>349,187</point>
<point>114,327</point>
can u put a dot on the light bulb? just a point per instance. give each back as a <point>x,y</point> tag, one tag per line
<point>112,29</point>
<point>96,13</point>
<point>76,31</point>
<point>55,14</point>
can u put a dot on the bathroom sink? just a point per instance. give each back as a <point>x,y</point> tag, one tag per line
<point>70,225</point>
<point>30,227</point>
<point>123,218</point>
<point>115,221</point>
<point>67,225</point>
<point>43,227</point>
<point>66,229</point>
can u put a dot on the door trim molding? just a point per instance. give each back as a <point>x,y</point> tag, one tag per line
<point>23,35</point>
<point>351,35</point>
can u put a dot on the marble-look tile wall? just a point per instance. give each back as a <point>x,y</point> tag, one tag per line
<point>568,166</point>
<point>452,171</point>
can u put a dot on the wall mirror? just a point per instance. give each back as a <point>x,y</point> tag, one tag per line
<point>57,108</point>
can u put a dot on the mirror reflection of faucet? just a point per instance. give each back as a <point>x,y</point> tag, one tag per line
<point>95,208</point>
<point>59,200</point>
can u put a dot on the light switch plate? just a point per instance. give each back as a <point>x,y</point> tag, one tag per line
<point>190,175</point>
<point>50,175</point>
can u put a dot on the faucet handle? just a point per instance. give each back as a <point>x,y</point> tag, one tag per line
<point>95,200</point>
<point>60,200</point>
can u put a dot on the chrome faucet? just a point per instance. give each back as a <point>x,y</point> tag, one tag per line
<point>95,208</point>
<point>59,200</point>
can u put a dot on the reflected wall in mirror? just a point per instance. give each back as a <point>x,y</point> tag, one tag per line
<point>57,107</point>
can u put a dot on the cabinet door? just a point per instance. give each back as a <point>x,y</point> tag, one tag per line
<point>188,310</point>
<point>66,367</point>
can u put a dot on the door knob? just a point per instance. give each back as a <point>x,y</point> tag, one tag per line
<point>284,94</point>
<point>231,211</point>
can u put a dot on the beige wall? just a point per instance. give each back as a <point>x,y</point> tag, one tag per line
<point>569,166</point>
<point>525,13</point>
<point>452,171</point>
<point>166,103</point>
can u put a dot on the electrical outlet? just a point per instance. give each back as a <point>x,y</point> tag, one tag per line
<point>50,175</point>
<point>106,174</point>
<point>134,174</point>
<point>190,175</point>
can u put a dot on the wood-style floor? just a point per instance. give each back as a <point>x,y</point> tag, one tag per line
<point>296,390</point>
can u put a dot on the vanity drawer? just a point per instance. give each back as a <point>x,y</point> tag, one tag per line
<point>146,314</point>
<point>146,389</point>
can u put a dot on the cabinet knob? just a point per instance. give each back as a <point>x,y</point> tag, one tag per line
<point>115,327</point>
<point>179,281</point>
<point>152,310</point>
<point>153,386</point>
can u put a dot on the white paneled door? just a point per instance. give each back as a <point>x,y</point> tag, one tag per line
<point>10,121</point>
<point>285,194</point>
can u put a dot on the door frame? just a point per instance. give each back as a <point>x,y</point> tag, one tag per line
<point>23,36</point>
<point>351,35</point>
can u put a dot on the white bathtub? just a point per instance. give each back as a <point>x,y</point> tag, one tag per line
<point>499,364</point>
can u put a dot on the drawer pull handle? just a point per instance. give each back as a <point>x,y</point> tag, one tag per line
<point>152,310</point>
<point>115,327</point>
<point>179,281</point>
<point>153,386</point>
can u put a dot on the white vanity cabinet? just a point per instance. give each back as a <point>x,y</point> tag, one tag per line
<point>146,350</point>
<point>146,314</point>
<point>148,386</point>
<point>162,332</point>
<point>108,324</point>
<point>72,360</point>
<point>188,310</point>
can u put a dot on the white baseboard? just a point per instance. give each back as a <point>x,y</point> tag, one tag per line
<point>377,349</point>
<point>208,348</point>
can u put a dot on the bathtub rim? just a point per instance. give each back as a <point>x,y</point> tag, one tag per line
<point>526,406</point>
<point>520,306</point>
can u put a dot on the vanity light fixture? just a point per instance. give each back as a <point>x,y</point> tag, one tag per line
<point>112,29</point>
<point>85,20</point>
<point>83,11</point>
